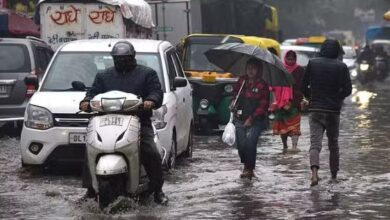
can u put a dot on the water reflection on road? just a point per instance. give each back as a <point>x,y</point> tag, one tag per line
<point>208,185</point>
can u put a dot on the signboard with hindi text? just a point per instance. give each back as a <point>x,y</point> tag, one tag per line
<point>64,22</point>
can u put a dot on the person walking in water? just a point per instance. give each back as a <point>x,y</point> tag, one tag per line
<point>250,114</point>
<point>326,84</point>
<point>287,121</point>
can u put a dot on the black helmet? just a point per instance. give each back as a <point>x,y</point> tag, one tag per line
<point>123,48</point>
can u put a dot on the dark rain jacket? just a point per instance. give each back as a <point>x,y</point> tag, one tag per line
<point>326,82</point>
<point>141,80</point>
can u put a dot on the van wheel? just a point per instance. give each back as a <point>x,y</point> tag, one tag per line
<point>173,153</point>
<point>188,152</point>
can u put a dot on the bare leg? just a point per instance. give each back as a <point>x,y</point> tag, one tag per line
<point>314,176</point>
<point>284,140</point>
<point>295,141</point>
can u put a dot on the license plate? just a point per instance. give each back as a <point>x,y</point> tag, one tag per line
<point>111,120</point>
<point>3,89</point>
<point>77,138</point>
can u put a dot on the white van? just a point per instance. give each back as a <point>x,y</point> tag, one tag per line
<point>53,131</point>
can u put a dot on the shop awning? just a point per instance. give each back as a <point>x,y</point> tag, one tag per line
<point>16,25</point>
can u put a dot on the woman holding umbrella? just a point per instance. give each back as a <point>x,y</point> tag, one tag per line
<point>250,113</point>
<point>287,121</point>
<point>261,70</point>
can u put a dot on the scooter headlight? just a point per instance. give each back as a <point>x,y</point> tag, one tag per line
<point>204,103</point>
<point>38,118</point>
<point>354,73</point>
<point>364,66</point>
<point>228,88</point>
<point>112,105</point>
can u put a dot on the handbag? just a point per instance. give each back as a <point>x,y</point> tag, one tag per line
<point>229,133</point>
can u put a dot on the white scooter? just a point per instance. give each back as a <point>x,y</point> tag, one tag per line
<point>113,142</point>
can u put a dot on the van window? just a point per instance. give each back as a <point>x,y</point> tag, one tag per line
<point>14,58</point>
<point>81,66</point>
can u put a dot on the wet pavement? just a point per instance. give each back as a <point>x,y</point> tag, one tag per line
<point>208,185</point>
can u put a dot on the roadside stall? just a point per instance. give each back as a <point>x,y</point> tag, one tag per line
<point>14,24</point>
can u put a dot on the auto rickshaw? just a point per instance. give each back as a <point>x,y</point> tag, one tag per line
<point>212,87</point>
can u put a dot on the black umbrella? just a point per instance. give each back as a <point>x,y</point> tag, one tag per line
<point>232,57</point>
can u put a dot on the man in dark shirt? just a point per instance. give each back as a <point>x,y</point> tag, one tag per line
<point>326,84</point>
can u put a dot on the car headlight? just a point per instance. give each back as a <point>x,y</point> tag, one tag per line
<point>204,103</point>
<point>228,88</point>
<point>364,66</point>
<point>38,118</point>
<point>158,117</point>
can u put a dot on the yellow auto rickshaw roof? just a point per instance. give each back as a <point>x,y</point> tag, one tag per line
<point>252,40</point>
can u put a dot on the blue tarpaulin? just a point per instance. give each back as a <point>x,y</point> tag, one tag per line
<point>378,32</point>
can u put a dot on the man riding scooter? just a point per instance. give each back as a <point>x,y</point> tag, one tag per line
<point>365,61</point>
<point>140,80</point>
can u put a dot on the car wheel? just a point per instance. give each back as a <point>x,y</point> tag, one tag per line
<point>173,153</point>
<point>190,144</point>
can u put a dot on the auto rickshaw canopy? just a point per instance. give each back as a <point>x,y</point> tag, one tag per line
<point>197,66</point>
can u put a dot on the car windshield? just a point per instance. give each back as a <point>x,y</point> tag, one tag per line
<point>196,60</point>
<point>80,66</point>
<point>349,53</point>
<point>14,58</point>
<point>303,57</point>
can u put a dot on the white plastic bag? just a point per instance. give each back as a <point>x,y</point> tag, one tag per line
<point>229,134</point>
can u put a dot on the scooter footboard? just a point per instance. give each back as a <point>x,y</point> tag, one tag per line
<point>110,165</point>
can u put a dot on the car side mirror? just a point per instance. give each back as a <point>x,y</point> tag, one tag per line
<point>180,82</point>
<point>78,86</point>
<point>31,80</point>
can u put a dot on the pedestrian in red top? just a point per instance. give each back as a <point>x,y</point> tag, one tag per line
<point>287,121</point>
<point>250,114</point>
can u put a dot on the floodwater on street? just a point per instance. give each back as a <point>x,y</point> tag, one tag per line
<point>208,185</point>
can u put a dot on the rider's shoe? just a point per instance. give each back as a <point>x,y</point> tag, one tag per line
<point>160,198</point>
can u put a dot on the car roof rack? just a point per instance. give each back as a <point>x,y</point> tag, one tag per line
<point>36,39</point>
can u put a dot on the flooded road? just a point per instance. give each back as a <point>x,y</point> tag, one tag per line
<point>208,185</point>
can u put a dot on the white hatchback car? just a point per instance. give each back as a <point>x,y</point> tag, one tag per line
<point>52,130</point>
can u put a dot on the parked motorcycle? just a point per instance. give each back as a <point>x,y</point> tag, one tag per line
<point>113,147</point>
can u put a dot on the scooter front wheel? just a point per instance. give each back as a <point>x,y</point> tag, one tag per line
<point>110,188</point>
